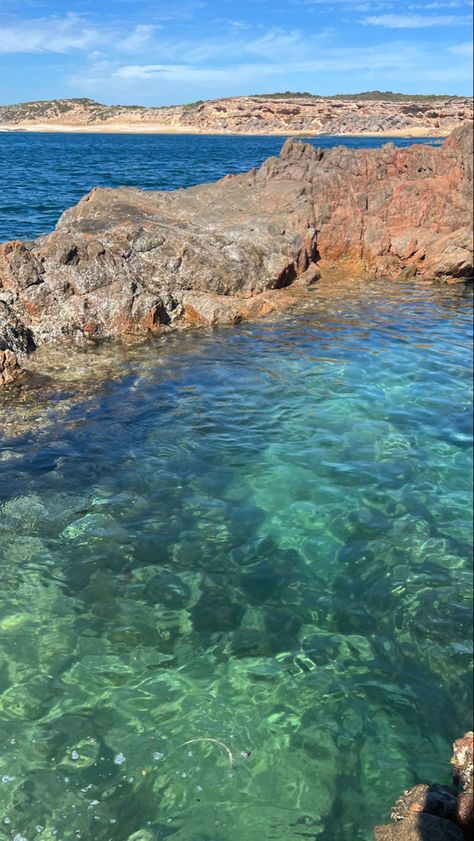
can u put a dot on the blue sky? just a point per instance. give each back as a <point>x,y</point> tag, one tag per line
<point>155,52</point>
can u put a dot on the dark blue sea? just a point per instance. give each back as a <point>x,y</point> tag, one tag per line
<point>235,564</point>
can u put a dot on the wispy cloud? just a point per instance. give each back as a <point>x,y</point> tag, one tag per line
<point>396,21</point>
<point>140,38</point>
<point>376,65</point>
<point>71,34</point>
<point>56,35</point>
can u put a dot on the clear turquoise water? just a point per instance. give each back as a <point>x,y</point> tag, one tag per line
<point>259,535</point>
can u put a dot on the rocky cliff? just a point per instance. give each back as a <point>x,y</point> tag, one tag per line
<point>131,262</point>
<point>283,114</point>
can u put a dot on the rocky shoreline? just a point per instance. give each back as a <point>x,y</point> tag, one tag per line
<point>281,114</point>
<point>435,812</point>
<point>127,262</point>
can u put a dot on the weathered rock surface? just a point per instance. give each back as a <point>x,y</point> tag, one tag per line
<point>435,800</point>
<point>15,340</point>
<point>462,760</point>
<point>287,114</point>
<point>9,367</point>
<point>434,813</point>
<point>462,763</point>
<point>127,261</point>
<point>422,827</point>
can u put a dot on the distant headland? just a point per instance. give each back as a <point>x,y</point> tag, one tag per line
<point>370,113</point>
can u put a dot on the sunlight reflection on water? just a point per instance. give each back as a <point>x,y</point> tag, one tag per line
<point>258,535</point>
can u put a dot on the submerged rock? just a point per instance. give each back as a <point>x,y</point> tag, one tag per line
<point>128,261</point>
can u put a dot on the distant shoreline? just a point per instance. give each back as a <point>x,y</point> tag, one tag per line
<point>122,128</point>
<point>279,116</point>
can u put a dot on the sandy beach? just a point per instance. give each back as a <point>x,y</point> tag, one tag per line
<point>155,128</point>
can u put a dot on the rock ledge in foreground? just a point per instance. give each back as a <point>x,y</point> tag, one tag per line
<point>128,261</point>
<point>435,813</point>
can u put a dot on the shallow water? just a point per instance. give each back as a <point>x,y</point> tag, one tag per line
<point>259,535</point>
<point>43,174</point>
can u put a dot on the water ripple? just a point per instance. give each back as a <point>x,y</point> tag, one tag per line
<point>260,536</point>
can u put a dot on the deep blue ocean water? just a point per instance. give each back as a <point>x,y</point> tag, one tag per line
<point>258,535</point>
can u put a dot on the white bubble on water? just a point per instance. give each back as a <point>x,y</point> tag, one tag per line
<point>119,759</point>
<point>74,755</point>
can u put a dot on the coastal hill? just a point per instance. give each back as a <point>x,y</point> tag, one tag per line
<point>285,113</point>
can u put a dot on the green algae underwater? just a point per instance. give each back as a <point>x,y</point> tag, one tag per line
<point>259,536</point>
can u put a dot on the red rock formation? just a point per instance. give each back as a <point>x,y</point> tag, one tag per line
<point>128,261</point>
<point>395,210</point>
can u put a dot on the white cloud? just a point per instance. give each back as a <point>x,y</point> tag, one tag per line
<point>71,34</point>
<point>140,38</point>
<point>399,62</point>
<point>158,63</point>
<point>396,21</point>
<point>181,72</point>
<point>55,35</point>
